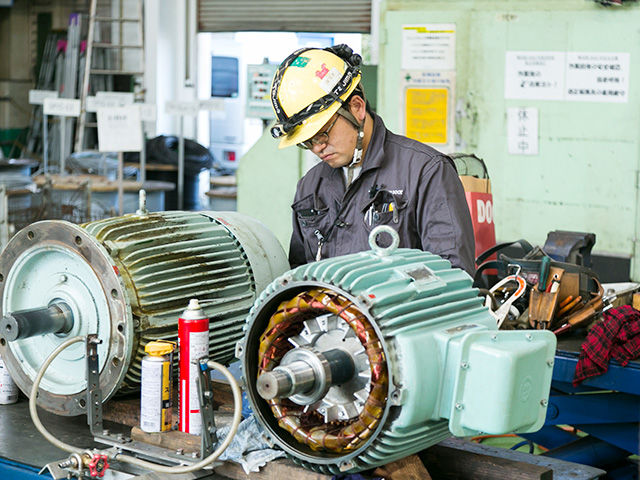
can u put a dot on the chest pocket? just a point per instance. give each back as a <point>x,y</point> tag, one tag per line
<point>310,212</point>
<point>314,220</point>
<point>385,208</point>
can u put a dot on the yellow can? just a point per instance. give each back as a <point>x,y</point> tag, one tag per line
<point>156,389</point>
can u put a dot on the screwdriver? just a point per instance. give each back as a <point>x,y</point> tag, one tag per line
<point>545,265</point>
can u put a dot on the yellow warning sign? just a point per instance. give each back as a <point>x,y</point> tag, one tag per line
<point>426,114</point>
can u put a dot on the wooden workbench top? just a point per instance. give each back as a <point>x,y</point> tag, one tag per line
<point>101,184</point>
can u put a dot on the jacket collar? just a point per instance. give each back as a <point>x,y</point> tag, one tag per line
<point>374,156</point>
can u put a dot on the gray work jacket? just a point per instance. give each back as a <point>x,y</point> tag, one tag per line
<point>404,184</point>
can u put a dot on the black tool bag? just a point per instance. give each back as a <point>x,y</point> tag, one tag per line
<point>491,271</point>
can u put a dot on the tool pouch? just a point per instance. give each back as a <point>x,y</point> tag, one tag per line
<point>582,276</point>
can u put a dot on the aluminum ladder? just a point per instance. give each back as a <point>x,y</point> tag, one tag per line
<point>120,53</point>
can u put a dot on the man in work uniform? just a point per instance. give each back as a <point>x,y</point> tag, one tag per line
<point>368,175</point>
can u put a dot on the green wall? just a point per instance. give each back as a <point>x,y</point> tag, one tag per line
<point>267,179</point>
<point>585,176</point>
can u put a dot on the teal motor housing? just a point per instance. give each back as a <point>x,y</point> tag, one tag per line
<point>356,361</point>
<point>126,279</point>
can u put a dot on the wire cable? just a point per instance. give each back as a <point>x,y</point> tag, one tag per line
<point>34,394</point>
<point>523,443</point>
<point>237,417</point>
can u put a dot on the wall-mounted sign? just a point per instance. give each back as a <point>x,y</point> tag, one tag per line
<point>575,76</point>
<point>598,77</point>
<point>429,46</point>
<point>428,107</point>
<point>522,131</point>
<point>534,75</point>
<point>426,114</point>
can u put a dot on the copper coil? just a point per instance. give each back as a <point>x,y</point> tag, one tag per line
<point>310,428</point>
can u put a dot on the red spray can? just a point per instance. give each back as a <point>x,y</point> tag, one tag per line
<point>193,340</point>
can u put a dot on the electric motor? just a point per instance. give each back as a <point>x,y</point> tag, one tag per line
<point>357,361</point>
<point>126,279</point>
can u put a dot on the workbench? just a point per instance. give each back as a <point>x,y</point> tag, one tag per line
<point>606,408</point>
<point>23,453</point>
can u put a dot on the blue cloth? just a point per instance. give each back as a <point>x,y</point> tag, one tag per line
<point>246,407</point>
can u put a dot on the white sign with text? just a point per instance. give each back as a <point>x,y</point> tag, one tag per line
<point>183,108</point>
<point>61,107</point>
<point>429,46</point>
<point>534,75</point>
<point>119,129</point>
<point>124,98</point>
<point>598,77</point>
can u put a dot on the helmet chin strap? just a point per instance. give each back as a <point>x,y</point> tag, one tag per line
<point>357,153</point>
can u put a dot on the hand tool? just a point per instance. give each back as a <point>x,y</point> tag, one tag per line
<point>545,264</point>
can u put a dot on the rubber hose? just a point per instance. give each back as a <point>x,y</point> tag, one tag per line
<point>237,417</point>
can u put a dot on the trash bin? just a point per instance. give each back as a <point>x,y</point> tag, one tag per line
<point>163,150</point>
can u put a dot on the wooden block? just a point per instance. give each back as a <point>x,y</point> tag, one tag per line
<point>410,468</point>
<point>455,464</point>
<point>172,440</point>
<point>125,411</point>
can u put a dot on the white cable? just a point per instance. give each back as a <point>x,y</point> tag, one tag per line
<point>34,393</point>
<point>237,417</point>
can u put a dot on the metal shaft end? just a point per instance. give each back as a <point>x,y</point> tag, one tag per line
<point>274,384</point>
<point>9,328</point>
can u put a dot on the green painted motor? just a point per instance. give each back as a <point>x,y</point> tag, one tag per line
<point>360,360</point>
<point>126,279</point>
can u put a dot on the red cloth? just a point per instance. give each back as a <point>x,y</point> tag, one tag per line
<point>616,336</point>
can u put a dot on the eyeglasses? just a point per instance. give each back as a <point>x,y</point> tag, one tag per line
<point>321,138</point>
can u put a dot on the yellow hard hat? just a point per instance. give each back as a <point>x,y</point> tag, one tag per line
<point>308,89</point>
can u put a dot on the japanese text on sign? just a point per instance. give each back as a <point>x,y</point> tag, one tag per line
<point>429,47</point>
<point>598,77</point>
<point>534,75</point>
<point>426,114</point>
<point>522,131</point>
<point>576,76</point>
